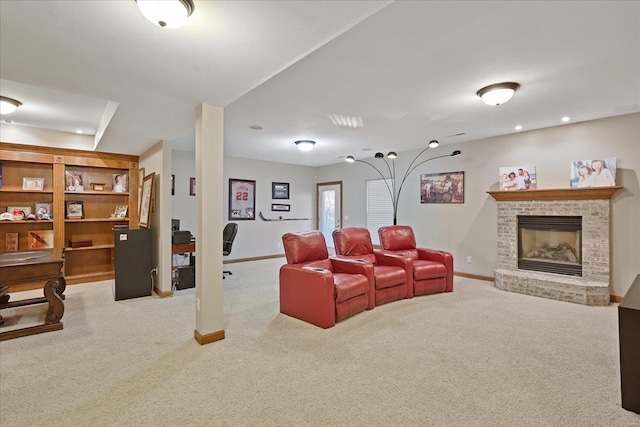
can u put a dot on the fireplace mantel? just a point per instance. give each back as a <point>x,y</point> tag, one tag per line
<point>589,193</point>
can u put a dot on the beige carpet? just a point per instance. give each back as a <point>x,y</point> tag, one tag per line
<point>476,357</point>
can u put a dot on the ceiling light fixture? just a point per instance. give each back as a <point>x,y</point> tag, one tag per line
<point>498,93</point>
<point>305,144</point>
<point>565,119</point>
<point>166,13</point>
<point>390,181</point>
<point>8,105</point>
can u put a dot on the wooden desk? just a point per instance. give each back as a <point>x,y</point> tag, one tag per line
<point>184,248</point>
<point>34,266</point>
<point>180,249</point>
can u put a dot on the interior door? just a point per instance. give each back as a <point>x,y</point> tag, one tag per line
<point>329,209</point>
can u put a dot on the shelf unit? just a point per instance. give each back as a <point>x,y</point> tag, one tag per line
<point>85,264</point>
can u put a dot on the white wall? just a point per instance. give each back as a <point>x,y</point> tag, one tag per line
<point>183,166</point>
<point>470,229</point>
<point>256,237</point>
<point>156,160</point>
<point>17,134</point>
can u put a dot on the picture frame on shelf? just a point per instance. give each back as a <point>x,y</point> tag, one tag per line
<point>11,242</point>
<point>98,186</point>
<point>73,181</point>
<point>40,239</point>
<point>43,210</point>
<point>242,199</point>
<point>278,207</point>
<point>33,184</point>
<point>280,190</point>
<point>145,201</point>
<point>120,211</point>
<point>19,212</point>
<point>74,209</point>
<point>513,178</point>
<point>120,183</point>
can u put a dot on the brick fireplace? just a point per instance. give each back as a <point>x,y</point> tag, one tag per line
<point>593,206</point>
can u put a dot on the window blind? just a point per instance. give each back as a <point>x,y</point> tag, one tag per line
<point>379,207</point>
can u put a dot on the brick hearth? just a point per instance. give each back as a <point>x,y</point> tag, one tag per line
<point>593,204</point>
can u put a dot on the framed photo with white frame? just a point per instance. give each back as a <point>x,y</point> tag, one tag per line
<point>33,184</point>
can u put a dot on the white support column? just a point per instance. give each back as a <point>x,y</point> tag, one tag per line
<point>209,219</point>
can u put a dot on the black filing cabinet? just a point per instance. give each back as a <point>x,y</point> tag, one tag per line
<point>132,263</point>
<point>629,330</point>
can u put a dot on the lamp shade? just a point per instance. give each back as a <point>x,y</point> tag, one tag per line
<point>8,105</point>
<point>305,144</point>
<point>498,93</point>
<point>166,13</point>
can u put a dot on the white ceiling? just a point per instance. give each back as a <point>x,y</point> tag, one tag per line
<point>409,70</point>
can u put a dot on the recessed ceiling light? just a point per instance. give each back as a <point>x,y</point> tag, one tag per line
<point>79,131</point>
<point>566,119</point>
<point>519,127</point>
<point>256,127</point>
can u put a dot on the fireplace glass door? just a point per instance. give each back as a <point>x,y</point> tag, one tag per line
<point>551,244</point>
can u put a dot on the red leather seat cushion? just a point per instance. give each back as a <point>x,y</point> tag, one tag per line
<point>350,285</point>
<point>423,270</point>
<point>387,276</point>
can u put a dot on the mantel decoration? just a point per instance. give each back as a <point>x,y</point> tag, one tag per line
<point>394,190</point>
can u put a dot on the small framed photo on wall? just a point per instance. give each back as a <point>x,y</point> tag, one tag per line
<point>192,186</point>
<point>279,190</point>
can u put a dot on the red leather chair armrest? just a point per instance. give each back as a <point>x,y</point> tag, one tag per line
<point>351,266</point>
<point>440,256</point>
<point>399,260</point>
<point>308,293</point>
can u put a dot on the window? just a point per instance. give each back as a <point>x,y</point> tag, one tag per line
<point>379,207</point>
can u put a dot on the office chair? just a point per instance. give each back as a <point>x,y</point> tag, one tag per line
<point>228,236</point>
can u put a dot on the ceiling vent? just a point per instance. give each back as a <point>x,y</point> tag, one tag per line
<point>346,121</point>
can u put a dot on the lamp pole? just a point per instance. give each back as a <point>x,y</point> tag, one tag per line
<point>395,195</point>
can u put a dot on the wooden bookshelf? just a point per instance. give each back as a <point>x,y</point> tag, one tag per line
<point>55,166</point>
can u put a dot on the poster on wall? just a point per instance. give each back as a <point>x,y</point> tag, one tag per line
<point>444,187</point>
<point>593,173</point>
<point>514,178</point>
<point>242,199</point>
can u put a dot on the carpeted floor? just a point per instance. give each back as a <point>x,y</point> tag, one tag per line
<point>476,357</point>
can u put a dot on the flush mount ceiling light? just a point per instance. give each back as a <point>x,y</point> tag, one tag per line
<point>8,105</point>
<point>305,144</point>
<point>498,93</point>
<point>166,13</point>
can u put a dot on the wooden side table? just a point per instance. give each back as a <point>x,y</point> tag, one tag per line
<point>34,266</point>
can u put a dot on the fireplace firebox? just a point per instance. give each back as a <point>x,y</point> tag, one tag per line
<point>550,244</point>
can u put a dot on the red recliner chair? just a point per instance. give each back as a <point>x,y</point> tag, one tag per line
<point>318,289</point>
<point>432,269</point>
<point>392,273</point>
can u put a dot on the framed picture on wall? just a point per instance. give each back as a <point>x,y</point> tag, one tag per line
<point>444,187</point>
<point>242,199</point>
<point>279,190</point>
<point>145,201</point>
